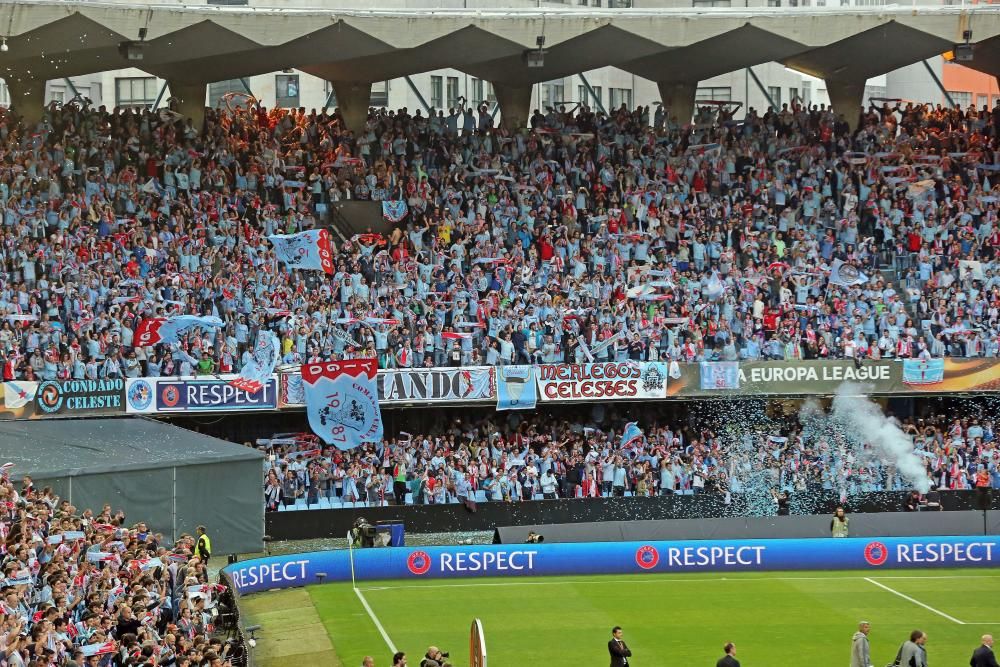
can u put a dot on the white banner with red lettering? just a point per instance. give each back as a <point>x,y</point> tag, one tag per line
<point>630,380</point>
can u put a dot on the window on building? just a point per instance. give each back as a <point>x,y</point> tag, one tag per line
<point>379,96</point>
<point>619,4</point>
<point>773,3</point>
<point>807,93</point>
<point>588,99</point>
<point>135,91</point>
<point>620,96</point>
<point>57,94</point>
<point>286,91</point>
<point>719,93</point>
<point>4,95</point>
<point>452,91</point>
<point>793,96</point>
<point>477,91</point>
<point>598,93</point>
<point>711,3</point>
<point>553,92</point>
<point>774,93</point>
<point>437,91</point>
<point>218,90</point>
<point>982,100</point>
<point>961,98</point>
<point>996,100</point>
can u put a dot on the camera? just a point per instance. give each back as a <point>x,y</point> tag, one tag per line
<point>534,538</point>
<point>445,655</point>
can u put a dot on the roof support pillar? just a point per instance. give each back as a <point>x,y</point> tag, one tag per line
<point>678,98</point>
<point>515,105</point>
<point>188,99</point>
<point>847,98</point>
<point>27,97</point>
<point>353,98</point>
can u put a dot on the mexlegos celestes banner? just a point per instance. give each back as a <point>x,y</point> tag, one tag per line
<point>342,401</point>
<point>614,381</point>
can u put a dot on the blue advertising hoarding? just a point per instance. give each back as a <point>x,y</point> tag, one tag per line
<point>615,558</point>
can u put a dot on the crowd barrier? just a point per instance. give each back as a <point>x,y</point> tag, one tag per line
<point>654,557</point>
<point>322,523</point>
<point>480,385</point>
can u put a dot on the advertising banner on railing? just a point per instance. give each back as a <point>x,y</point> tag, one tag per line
<point>23,399</point>
<point>602,382</point>
<point>868,555</point>
<point>790,378</point>
<point>426,385</point>
<point>203,394</point>
<point>580,383</point>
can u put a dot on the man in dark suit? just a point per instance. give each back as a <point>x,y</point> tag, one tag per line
<point>729,659</point>
<point>619,651</point>
<point>983,656</point>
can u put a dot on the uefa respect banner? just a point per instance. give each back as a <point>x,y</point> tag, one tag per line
<point>309,250</point>
<point>615,381</point>
<point>342,402</point>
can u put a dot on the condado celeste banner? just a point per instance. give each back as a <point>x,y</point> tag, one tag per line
<point>563,383</point>
<point>866,554</point>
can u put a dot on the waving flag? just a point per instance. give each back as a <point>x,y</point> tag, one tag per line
<point>153,330</point>
<point>342,402</point>
<point>846,274</point>
<point>5,471</point>
<point>98,649</point>
<point>258,370</point>
<point>18,394</point>
<point>306,250</point>
<point>632,435</point>
<point>394,211</point>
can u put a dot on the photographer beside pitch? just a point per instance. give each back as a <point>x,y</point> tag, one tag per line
<point>434,658</point>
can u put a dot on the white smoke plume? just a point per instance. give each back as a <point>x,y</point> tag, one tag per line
<point>862,421</point>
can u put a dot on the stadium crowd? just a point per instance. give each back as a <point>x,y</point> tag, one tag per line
<point>545,457</point>
<point>783,235</point>
<point>86,588</point>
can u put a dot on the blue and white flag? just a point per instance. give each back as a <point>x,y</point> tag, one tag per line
<point>516,388</point>
<point>846,274</point>
<point>167,330</point>
<point>632,435</point>
<point>394,211</point>
<point>720,375</point>
<point>306,250</point>
<point>257,371</point>
<point>342,402</point>
<point>923,371</point>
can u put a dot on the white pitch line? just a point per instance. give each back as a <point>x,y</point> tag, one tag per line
<point>378,624</point>
<point>916,602</point>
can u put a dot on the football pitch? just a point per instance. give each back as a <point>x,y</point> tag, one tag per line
<point>776,619</point>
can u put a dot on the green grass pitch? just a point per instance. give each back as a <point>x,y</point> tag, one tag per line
<point>776,619</point>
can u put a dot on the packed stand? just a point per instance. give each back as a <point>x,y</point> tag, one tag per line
<point>714,240</point>
<point>86,588</point>
<point>543,457</point>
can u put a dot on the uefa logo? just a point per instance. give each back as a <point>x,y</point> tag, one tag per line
<point>647,557</point>
<point>170,396</point>
<point>419,563</point>
<point>876,553</point>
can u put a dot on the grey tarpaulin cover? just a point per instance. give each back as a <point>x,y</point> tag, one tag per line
<point>169,477</point>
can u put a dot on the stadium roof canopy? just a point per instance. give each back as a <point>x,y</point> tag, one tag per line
<point>68,447</point>
<point>193,45</point>
<point>171,478</point>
